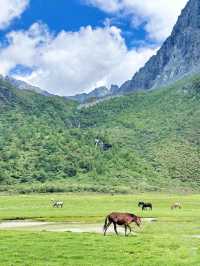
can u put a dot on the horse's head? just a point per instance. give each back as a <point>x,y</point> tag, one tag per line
<point>140,204</point>
<point>138,221</point>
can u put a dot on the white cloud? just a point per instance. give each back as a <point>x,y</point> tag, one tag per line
<point>72,62</point>
<point>106,5</point>
<point>159,15</point>
<point>10,9</point>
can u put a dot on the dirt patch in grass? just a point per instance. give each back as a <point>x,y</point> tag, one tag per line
<point>59,227</point>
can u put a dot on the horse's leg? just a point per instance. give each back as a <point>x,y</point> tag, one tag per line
<point>115,228</point>
<point>106,228</point>
<point>130,229</point>
<point>125,226</point>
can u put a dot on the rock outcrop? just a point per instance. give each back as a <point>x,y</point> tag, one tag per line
<point>178,56</point>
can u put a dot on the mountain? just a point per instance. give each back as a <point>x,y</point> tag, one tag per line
<point>47,144</point>
<point>179,55</point>
<point>95,95</point>
<point>21,85</point>
<point>148,140</point>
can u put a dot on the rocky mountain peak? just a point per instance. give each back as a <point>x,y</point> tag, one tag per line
<point>21,85</point>
<point>178,56</point>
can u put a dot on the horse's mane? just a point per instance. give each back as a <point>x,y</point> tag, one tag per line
<point>132,215</point>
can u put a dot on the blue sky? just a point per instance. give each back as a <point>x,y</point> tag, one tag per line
<point>71,46</point>
<point>67,15</point>
<point>70,15</point>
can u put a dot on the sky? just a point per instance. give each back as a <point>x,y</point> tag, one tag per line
<point>73,46</point>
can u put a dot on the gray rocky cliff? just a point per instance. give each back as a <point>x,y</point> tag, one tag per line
<point>178,56</point>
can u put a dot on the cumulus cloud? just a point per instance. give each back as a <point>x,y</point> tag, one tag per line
<point>159,16</point>
<point>108,6</point>
<point>10,9</point>
<point>72,62</point>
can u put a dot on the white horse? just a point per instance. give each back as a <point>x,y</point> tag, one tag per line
<point>57,203</point>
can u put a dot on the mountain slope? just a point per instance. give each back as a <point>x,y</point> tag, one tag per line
<point>95,95</point>
<point>178,56</point>
<point>154,137</point>
<point>21,85</point>
<point>162,126</point>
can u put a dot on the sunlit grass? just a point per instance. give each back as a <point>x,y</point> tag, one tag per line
<point>169,241</point>
<point>94,207</point>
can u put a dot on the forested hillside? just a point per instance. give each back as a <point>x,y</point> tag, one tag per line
<point>48,144</point>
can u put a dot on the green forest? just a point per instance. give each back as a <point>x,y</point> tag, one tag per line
<point>47,143</point>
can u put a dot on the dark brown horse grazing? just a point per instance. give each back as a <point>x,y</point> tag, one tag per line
<point>145,206</point>
<point>118,218</point>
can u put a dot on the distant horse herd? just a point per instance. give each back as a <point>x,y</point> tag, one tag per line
<point>122,219</point>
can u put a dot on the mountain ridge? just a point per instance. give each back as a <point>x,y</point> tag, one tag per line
<point>22,85</point>
<point>178,56</point>
<point>95,95</point>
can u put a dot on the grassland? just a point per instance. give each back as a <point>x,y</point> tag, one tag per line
<point>169,241</point>
<point>94,207</point>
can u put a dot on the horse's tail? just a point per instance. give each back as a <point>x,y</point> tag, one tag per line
<point>106,223</point>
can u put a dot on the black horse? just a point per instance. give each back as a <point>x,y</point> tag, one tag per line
<point>106,146</point>
<point>145,205</point>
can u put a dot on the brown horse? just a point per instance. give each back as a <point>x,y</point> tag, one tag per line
<point>118,218</point>
<point>176,205</point>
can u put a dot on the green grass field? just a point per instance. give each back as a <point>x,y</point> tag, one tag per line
<point>169,241</point>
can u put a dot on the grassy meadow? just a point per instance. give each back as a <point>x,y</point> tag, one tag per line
<point>171,240</point>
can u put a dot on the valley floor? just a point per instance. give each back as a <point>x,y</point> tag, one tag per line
<point>173,239</point>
